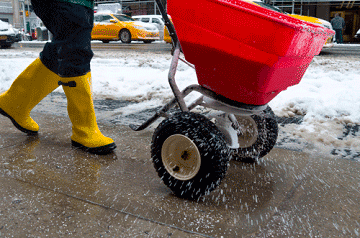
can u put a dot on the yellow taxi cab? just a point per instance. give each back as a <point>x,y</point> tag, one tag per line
<point>329,42</point>
<point>114,27</point>
<point>167,37</point>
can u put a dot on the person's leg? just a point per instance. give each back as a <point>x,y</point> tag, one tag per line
<point>338,35</point>
<point>86,134</point>
<point>341,37</point>
<point>69,55</point>
<point>27,90</point>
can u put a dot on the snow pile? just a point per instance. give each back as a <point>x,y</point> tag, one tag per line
<point>329,90</point>
<point>4,25</point>
<point>327,99</point>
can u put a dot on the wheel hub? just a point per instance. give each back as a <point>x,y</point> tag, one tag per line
<point>249,131</point>
<point>181,157</point>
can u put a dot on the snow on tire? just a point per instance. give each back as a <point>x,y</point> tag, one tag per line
<point>189,154</point>
<point>259,136</point>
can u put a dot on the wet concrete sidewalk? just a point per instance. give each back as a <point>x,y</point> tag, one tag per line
<point>49,189</point>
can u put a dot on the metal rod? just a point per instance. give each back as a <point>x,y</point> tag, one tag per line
<point>178,95</point>
<point>186,62</point>
<point>163,110</point>
<point>157,115</point>
<point>168,23</point>
<point>196,103</point>
<point>235,124</point>
<point>185,92</point>
<point>24,17</point>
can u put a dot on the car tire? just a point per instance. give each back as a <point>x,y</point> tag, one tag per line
<point>105,41</point>
<point>148,41</point>
<point>261,132</point>
<point>5,46</point>
<point>189,154</point>
<point>125,36</point>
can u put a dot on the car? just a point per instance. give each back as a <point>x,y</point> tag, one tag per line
<point>357,35</point>
<point>154,19</point>
<point>114,27</point>
<point>321,22</point>
<point>8,35</point>
<point>157,20</point>
<point>18,34</point>
<point>167,37</point>
<point>329,42</point>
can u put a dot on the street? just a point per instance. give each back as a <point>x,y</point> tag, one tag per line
<point>50,189</point>
<point>336,50</point>
<point>342,50</point>
<point>113,46</point>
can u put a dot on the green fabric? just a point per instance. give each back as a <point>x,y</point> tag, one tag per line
<point>86,3</point>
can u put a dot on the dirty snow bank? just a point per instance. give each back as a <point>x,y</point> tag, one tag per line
<point>327,99</point>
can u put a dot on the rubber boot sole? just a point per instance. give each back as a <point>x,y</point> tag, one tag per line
<point>102,150</point>
<point>29,132</point>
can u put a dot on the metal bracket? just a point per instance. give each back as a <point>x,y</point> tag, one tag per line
<point>71,84</point>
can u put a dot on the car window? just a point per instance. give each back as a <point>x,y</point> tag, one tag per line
<point>3,25</point>
<point>145,19</point>
<point>97,18</point>
<point>123,17</point>
<point>155,20</point>
<point>106,19</point>
<point>276,9</point>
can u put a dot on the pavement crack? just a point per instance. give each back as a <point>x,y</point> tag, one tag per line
<point>7,147</point>
<point>116,210</point>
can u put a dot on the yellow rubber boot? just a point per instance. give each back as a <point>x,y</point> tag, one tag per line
<point>28,89</point>
<point>85,131</point>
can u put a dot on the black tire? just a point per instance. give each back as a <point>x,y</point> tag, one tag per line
<point>211,161</point>
<point>105,41</point>
<point>7,46</point>
<point>261,132</point>
<point>148,41</point>
<point>125,36</point>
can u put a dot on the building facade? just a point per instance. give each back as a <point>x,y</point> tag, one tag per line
<point>135,7</point>
<point>349,10</point>
<point>324,9</point>
<point>6,11</point>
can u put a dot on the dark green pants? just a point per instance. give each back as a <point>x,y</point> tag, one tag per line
<point>69,53</point>
<point>339,36</point>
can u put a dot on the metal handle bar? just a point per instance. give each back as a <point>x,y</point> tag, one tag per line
<point>168,23</point>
